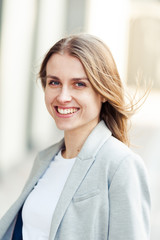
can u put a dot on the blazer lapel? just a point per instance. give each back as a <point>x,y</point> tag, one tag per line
<point>82,165</point>
<point>78,172</point>
<point>41,165</point>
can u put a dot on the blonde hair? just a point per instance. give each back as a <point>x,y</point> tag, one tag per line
<point>102,72</point>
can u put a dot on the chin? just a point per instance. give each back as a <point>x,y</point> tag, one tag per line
<point>65,127</point>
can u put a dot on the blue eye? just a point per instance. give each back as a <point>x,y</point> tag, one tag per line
<point>54,83</point>
<point>80,84</point>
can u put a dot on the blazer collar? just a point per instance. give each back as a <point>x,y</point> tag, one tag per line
<point>95,141</point>
<point>82,164</point>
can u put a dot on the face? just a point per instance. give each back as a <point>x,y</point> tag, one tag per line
<point>69,96</point>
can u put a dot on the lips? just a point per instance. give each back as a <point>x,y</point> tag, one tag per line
<point>65,111</point>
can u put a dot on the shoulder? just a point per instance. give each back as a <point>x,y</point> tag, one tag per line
<point>114,149</point>
<point>116,156</point>
<point>45,156</point>
<point>51,150</point>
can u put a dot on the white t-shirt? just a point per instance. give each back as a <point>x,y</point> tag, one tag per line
<point>39,207</point>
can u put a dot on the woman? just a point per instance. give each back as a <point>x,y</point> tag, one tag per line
<point>90,185</point>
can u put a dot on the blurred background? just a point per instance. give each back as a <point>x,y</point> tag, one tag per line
<point>28,28</point>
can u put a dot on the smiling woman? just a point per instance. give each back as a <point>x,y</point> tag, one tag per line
<point>70,98</point>
<point>90,185</point>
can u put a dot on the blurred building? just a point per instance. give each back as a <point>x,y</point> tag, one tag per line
<point>28,28</point>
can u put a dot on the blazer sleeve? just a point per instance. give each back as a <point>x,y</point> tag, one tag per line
<point>129,201</point>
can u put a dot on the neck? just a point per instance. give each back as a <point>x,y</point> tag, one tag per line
<point>75,139</point>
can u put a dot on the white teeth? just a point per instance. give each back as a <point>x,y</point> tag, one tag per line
<point>67,111</point>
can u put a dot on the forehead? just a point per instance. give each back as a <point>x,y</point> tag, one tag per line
<point>64,63</point>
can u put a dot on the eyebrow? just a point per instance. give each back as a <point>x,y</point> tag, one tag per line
<point>74,78</point>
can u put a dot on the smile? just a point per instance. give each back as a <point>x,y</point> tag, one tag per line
<point>65,111</point>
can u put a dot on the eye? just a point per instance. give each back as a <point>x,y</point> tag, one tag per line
<point>80,84</point>
<point>54,83</point>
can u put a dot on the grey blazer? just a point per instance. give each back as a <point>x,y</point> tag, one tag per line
<point>106,195</point>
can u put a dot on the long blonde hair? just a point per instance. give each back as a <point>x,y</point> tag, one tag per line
<point>102,72</point>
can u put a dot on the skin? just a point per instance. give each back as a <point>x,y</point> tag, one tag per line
<point>68,90</point>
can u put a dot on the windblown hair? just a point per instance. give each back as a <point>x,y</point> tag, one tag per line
<point>102,73</point>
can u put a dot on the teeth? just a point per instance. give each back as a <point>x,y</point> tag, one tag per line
<point>67,110</point>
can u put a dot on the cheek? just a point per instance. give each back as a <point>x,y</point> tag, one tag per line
<point>48,100</point>
<point>92,104</point>
<point>97,102</point>
<point>48,97</point>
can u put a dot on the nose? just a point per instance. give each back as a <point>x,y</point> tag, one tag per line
<point>64,95</point>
